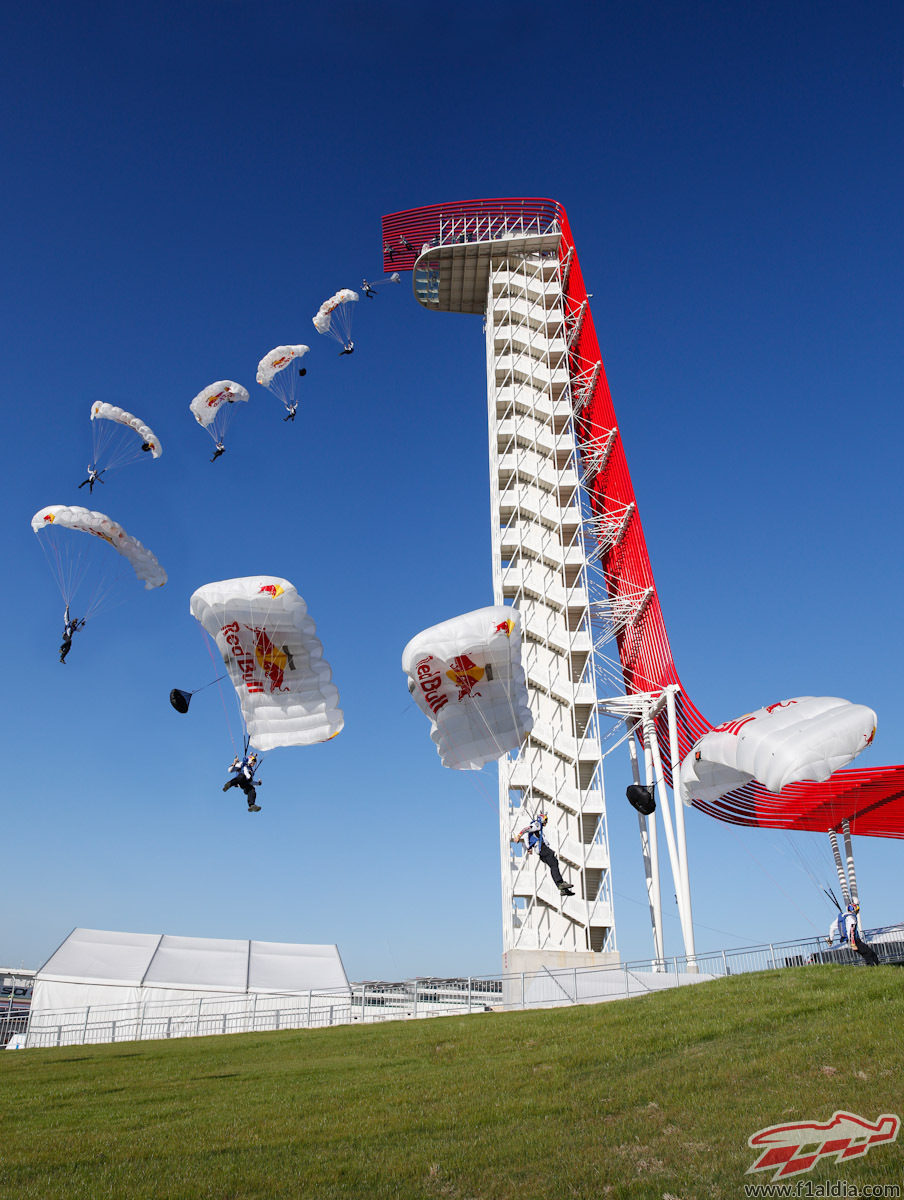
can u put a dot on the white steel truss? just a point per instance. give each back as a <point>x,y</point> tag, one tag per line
<point>548,543</point>
<point>542,546</point>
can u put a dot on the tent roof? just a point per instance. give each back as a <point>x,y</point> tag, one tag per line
<point>198,964</point>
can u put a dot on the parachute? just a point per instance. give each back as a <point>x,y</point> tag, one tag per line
<point>261,627</point>
<point>466,675</point>
<point>807,738</point>
<point>73,561</point>
<point>279,372</point>
<point>214,407</point>
<point>334,317</point>
<point>119,437</point>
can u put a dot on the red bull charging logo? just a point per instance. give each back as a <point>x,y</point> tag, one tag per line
<point>265,658</point>
<point>465,674</point>
<point>272,589</point>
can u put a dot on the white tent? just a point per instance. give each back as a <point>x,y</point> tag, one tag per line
<point>119,977</point>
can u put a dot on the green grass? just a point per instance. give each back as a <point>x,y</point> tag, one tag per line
<point>653,1097</point>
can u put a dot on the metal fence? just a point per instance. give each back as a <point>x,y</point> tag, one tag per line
<point>419,998</point>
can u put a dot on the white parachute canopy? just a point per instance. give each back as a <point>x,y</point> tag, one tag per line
<point>279,372</point>
<point>214,407</point>
<point>275,660</point>
<point>805,739</point>
<point>334,317</point>
<point>75,565</point>
<point>119,437</point>
<point>466,675</point>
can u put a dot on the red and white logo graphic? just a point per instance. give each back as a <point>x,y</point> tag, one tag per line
<point>799,1146</point>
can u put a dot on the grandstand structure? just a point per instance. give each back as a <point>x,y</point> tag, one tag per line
<point>568,552</point>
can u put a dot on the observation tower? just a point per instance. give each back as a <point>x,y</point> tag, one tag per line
<point>569,552</point>
<point>563,517</point>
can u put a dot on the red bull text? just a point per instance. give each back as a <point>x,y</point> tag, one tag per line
<point>264,656</point>
<point>430,681</point>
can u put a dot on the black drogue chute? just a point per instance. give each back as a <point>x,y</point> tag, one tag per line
<point>181,699</point>
<point>641,798</point>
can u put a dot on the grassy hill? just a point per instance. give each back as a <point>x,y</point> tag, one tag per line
<point>653,1097</point>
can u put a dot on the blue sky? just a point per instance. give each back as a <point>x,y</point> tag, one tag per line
<point>186,183</point>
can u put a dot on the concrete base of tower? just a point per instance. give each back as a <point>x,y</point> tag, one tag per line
<point>548,978</point>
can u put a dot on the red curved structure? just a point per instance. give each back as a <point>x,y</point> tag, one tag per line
<point>871,798</point>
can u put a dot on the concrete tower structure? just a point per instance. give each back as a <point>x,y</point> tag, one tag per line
<point>504,260</point>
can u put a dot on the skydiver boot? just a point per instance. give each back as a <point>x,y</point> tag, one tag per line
<point>565,889</point>
<point>254,808</point>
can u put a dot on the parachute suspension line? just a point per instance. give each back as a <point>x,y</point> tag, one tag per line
<point>839,867</point>
<point>71,566</point>
<point>112,445</point>
<point>831,895</point>
<point>207,642</point>
<point>733,830</point>
<point>810,868</point>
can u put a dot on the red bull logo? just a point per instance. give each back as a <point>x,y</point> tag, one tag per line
<point>430,681</point>
<point>465,674</point>
<point>505,627</point>
<point>49,517</point>
<point>796,1147</point>
<point>272,589</point>
<point>271,660</point>
<point>264,658</point>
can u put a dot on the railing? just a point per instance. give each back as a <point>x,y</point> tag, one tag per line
<point>405,234</point>
<point>420,998</point>
<point>14,1012</point>
<point>483,228</point>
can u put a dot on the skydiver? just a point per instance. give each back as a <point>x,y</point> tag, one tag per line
<point>349,348</point>
<point>406,243</point>
<point>846,926</point>
<point>94,476</point>
<point>388,251</point>
<point>367,289</point>
<point>71,625</point>
<point>291,410</point>
<point>243,777</point>
<point>535,838</point>
<point>220,449</point>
